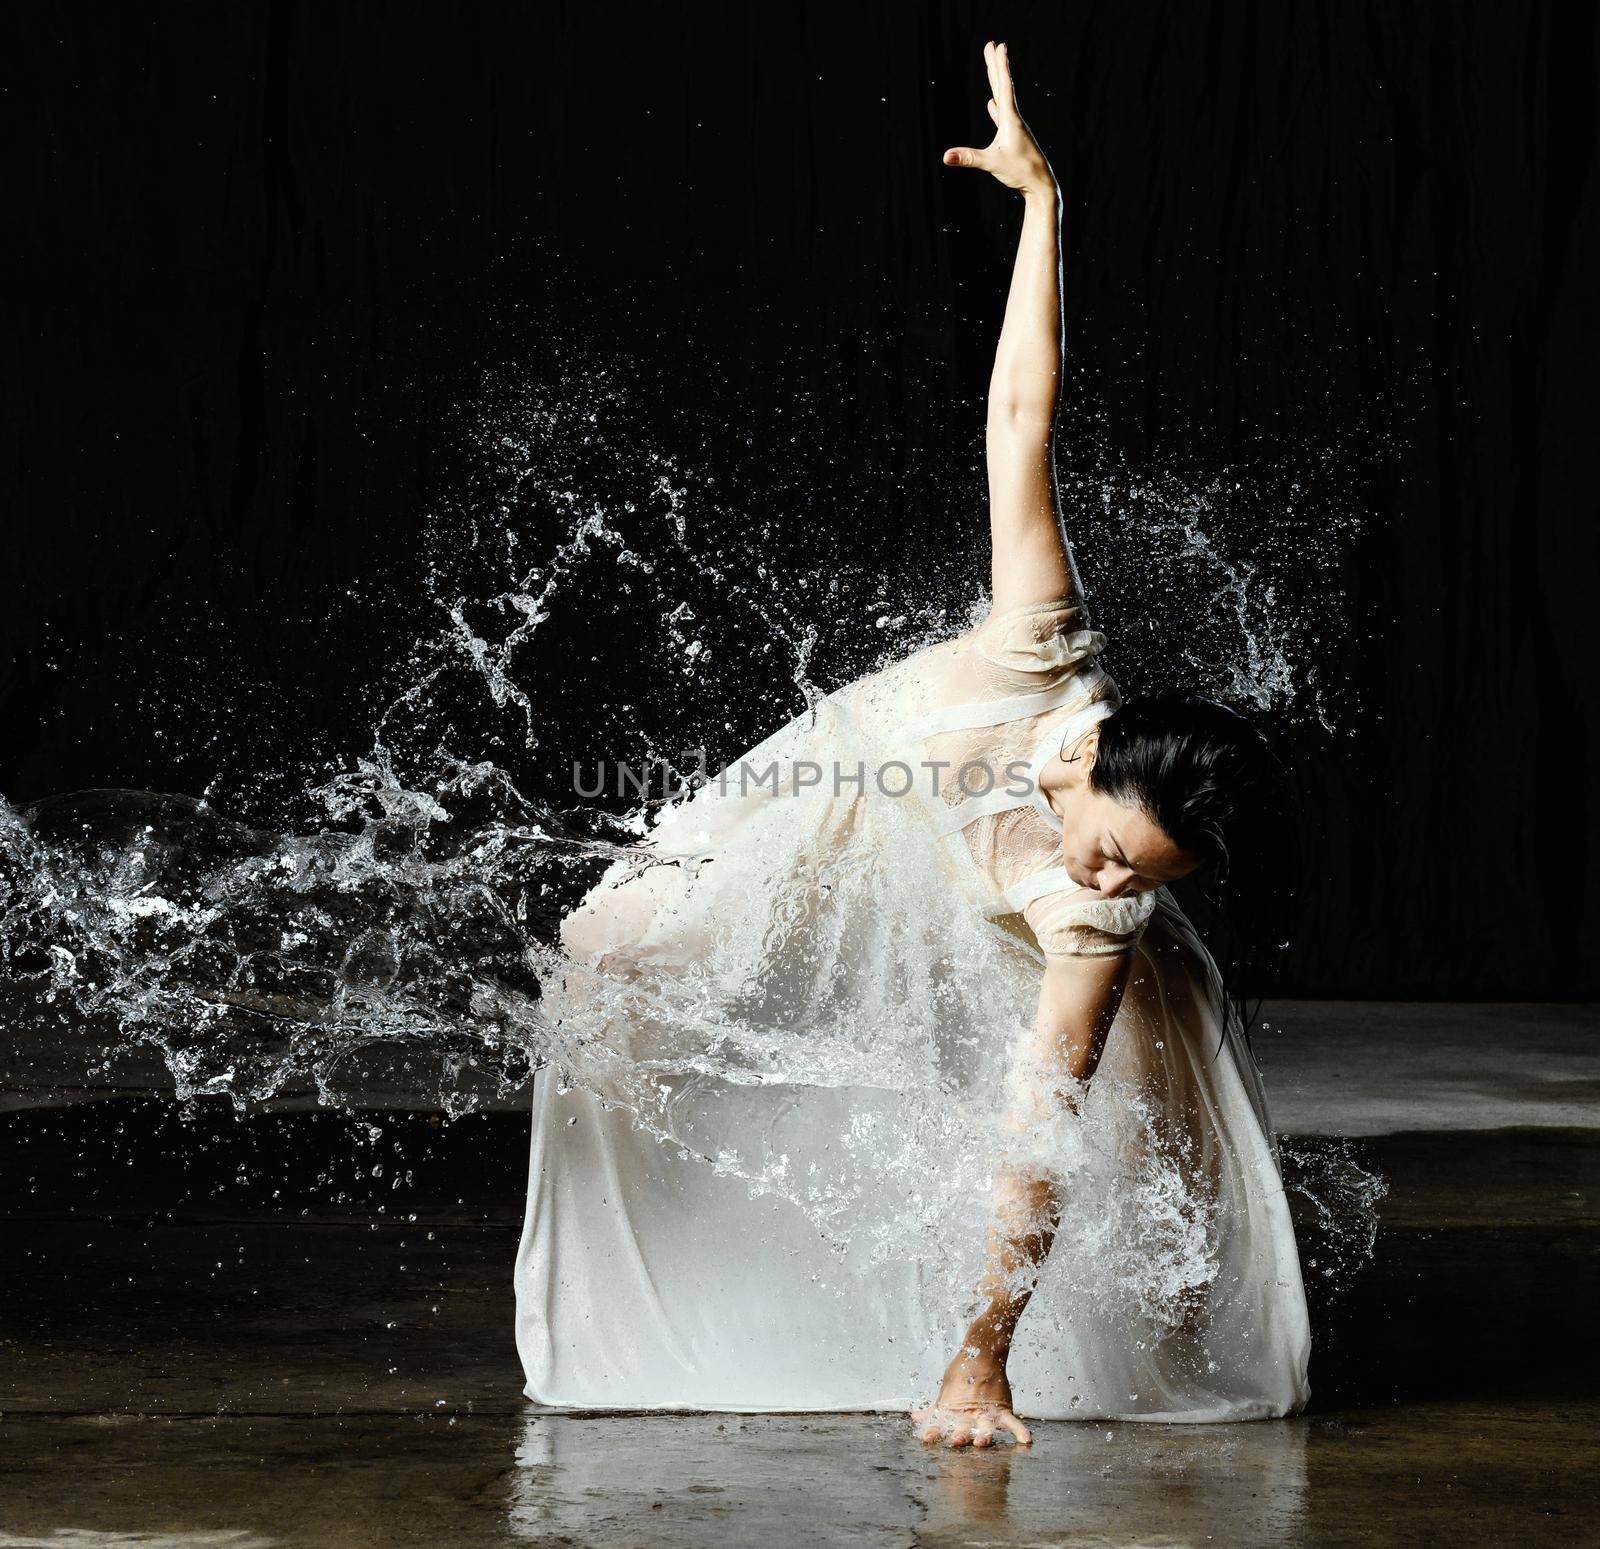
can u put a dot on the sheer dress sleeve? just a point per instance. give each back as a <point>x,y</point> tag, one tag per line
<point>1033,647</point>
<point>1077,923</point>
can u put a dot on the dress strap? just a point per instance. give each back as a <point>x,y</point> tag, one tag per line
<point>953,819</point>
<point>997,712</point>
<point>1053,879</point>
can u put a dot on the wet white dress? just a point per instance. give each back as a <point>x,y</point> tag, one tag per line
<point>762,1171</point>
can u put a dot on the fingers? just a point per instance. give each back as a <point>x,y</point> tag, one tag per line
<point>981,1430</point>
<point>1009,1422</point>
<point>1001,107</point>
<point>998,62</point>
<point>1007,95</point>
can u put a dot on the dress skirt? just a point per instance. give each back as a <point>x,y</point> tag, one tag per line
<point>765,1148</point>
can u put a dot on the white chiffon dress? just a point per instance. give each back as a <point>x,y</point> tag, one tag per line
<point>764,1159</point>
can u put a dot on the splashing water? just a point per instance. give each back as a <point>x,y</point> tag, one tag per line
<point>1341,1195</point>
<point>409,931</point>
<point>1255,619</point>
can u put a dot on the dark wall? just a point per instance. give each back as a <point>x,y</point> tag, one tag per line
<point>257,252</point>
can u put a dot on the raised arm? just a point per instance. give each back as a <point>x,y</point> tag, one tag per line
<point>1078,1000</point>
<point>1032,561</point>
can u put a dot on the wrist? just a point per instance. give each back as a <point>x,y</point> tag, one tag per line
<point>1041,187</point>
<point>988,1339</point>
<point>982,1364</point>
<point>974,1379</point>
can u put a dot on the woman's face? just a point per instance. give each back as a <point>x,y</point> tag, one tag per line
<point>1109,847</point>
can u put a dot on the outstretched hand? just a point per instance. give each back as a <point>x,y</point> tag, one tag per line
<point>971,1425</point>
<point>1013,156</point>
<point>973,1408</point>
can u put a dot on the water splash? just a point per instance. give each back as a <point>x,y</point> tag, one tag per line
<point>1232,583</point>
<point>408,927</point>
<point>1339,1195</point>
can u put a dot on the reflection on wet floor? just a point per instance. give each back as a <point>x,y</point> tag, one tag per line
<point>296,1329</point>
<point>848,1477</point>
<point>1462,1473</point>
<point>94,1538</point>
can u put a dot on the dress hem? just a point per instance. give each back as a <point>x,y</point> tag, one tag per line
<point>1243,1414</point>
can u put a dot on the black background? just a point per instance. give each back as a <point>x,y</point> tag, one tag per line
<point>259,255</point>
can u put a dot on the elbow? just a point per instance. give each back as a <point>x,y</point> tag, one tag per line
<point>1022,417</point>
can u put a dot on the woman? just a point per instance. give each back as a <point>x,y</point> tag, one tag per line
<point>831,1030</point>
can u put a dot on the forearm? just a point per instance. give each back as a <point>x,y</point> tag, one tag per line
<point>1077,1005</point>
<point>1032,562</point>
<point>1025,388</point>
<point>1032,559</point>
<point>1020,1240</point>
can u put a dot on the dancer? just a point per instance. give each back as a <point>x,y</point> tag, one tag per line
<point>894,1031</point>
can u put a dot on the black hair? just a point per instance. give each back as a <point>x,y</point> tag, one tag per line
<point>1212,781</point>
<point>1194,767</point>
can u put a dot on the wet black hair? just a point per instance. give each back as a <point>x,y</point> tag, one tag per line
<point>1197,769</point>
<point>1212,781</point>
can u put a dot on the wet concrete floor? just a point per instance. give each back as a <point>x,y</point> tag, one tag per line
<point>295,1329</point>
<point>1463,1473</point>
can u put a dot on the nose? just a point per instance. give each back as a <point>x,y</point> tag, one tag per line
<point>1113,881</point>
